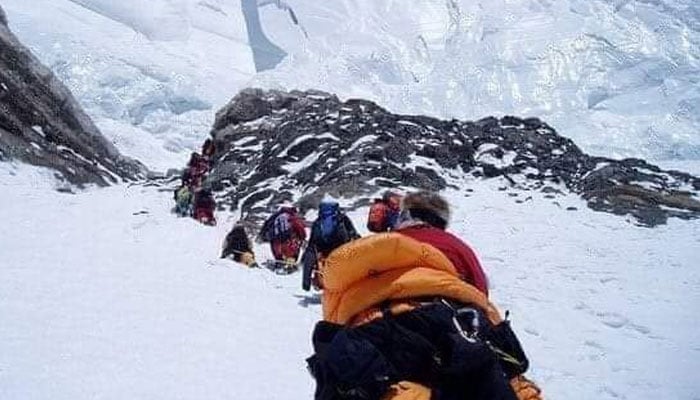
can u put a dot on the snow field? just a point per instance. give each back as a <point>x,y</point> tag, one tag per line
<point>105,294</point>
<point>100,300</point>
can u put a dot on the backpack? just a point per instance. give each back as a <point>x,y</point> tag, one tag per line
<point>329,231</point>
<point>281,227</point>
<point>331,228</point>
<point>451,348</point>
<point>377,218</point>
<point>183,195</point>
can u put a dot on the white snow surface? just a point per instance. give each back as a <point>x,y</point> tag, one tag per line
<point>105,294</point>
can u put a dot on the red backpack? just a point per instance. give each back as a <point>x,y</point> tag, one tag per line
<point>377,218</point>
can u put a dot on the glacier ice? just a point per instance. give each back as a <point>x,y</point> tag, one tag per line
<point>150,74</point>
<point>157,19</point>
<point>619,77</point>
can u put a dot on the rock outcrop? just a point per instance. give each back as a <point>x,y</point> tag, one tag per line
<point>274,146</point>
<point>41,123</point>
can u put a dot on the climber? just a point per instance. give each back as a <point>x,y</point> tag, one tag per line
<point>330,230</point>
<point>208,149</point>
<point>204,205</point>
<point>198,165</point>
<point>183,201</point>
<point>399,323</point>
<point>194,159</point>
<point>384,212</point>
<point>424,217</point>
<point>237,245</point>
<point>286,232</point>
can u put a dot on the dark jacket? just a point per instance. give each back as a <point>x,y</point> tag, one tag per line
<point>208,149</point>
<point>344,233</point>
<point>236,243</point>
<point>204,205</point>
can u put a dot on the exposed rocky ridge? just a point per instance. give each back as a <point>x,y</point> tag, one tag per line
<point>42,124</point>
<point>274,146</point>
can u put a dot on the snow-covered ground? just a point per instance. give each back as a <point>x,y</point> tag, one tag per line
<point>105,294</point>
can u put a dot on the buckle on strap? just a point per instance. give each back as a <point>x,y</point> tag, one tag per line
<point>471,334</point>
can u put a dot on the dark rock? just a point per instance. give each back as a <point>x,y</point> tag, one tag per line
<point>42,124</point>
<point>534,124</point>
<point>511,121</point>
<point>274,145</point>
<point>248,105</point>
<point>549,189</point>
<point>66,190</point>
<point>487,123</point>
<point>490,171</point>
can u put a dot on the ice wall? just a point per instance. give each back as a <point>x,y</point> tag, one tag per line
<point>619,77</point>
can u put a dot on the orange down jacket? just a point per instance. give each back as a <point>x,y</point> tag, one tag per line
<point>360,275</point>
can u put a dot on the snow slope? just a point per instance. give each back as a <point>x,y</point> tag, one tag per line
<point>104,294</point>
<point>100,301</point>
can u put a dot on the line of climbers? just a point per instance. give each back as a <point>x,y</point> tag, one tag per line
<point>406,311</point>
<point>192,198</point>
<point>285,230</point>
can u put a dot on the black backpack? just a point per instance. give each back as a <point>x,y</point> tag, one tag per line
<point>452,349</point>
<point>329,230</point>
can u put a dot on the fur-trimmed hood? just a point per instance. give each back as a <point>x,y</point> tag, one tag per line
<point>427,206</point>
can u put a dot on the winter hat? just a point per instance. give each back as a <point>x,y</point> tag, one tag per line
<point>390,195</point>
<point>428,207</point>
<point>286,205</point>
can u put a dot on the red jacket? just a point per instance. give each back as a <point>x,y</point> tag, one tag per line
<point>461,255</point>
<point>290,248</point>
<point>298,227</point>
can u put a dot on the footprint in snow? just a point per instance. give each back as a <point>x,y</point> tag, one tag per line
<point>605,390</point>
<point>608,279</point>
<point>531,331</point>
<point>613,320</point>
<point>617,321</point>
<point>640,328</point>
<point>595,351</point>
<point>593,344</point>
